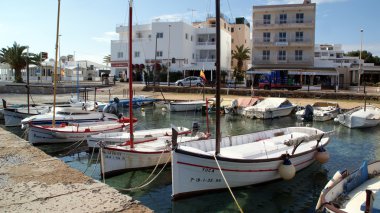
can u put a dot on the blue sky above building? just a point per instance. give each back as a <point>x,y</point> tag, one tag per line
<point>87,26</point>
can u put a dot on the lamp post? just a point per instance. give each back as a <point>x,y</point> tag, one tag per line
<point>27,77</point>
<point>360,57</point>
<point>59,52</point>
<point>168,70</point>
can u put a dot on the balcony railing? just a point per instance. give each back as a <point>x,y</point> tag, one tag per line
<point>288,60</point>
<point>205,59</point>
<point>202,43</point>
<point>281,42</point>
<point>262,22</point>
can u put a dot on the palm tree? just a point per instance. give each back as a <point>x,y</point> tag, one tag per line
<point>107,59</point>
<point>241,54</point>
<point>16,58</point>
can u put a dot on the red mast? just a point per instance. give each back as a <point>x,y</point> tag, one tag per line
<point>130,76</point>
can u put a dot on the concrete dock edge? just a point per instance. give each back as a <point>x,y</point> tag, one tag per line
<point>32,181</point>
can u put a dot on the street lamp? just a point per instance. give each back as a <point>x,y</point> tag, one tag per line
<point>168,70</point>
<point>360,57</point>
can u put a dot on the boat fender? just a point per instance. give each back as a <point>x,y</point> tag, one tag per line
<point>142,109</point>
<point>322,155</point>
<point>87,130</point>
<point>286,169</point>
<point>164,109</point>
<point>63,124</point>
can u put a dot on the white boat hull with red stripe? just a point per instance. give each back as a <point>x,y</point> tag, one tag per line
<point>71,133</point>
<point>152,152</point>
<point>244,159</point>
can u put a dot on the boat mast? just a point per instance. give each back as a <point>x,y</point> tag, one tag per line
<point>130,76</point>
<point>217,134</point>
<point>55,63</point>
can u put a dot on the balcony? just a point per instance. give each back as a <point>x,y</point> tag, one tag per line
<point>205,60</point>
<point>288,23</point>
<point>205,43</point>
<point>289,60</point>
<point>276,42</point>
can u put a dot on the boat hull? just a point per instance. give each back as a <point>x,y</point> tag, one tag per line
<point>40,135</point>
<point>270,113</point>
<point>117,162</point>
<point>186,106</point>
<point>194,175</point>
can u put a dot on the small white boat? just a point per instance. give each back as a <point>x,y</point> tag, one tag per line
<point>322,111</point>
<point>13,116</point>
<point>244,159</point>
<point>360,117</point>
<point>67,115</point>
<point>270,108</point>
<point>238,105</point>
<point>144,154</point>
<point>182,106</point>
<point>117,138</point>
<point>87,105</point>
<point>63,133</point>
<point>355,192</point>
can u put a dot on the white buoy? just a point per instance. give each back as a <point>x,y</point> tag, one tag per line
<point>164,109</point>
<point>142,109</point>
<point>286,170</point>
<point>322,155</point>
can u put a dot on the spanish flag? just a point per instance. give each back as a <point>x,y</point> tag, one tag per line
<point>202,75</point>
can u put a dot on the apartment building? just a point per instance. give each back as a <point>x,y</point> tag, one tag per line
<point>241,35</point>
<point>283,36</point>
<point>192,47</point>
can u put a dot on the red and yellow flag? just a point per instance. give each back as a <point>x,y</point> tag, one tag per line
<point>202,75</point>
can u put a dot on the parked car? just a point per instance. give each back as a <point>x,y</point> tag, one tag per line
<point>191,80</point>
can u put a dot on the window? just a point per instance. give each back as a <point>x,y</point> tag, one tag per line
<point>159,53</point>
<point>266,54</point>
<point>193,55</point>
<point>299,18</point>
<point>317,54</point>
<point>266,19</point>
<point>224,25</point>
<point>191,38</point>
<point>299,36</point>
<point>266,37</point>
<point>325,54</point>
<point>283,18</point>
<point>282,37</point>
<point>160,35</point>
<point>232,29</point>
<point>120,55</point>
<point>232,40</point>
<point>281,55</point>
<point>139,35</point>
<point>137,54</point>
<point>149,36</point>
<point>298,54</point>
<point>186,36</point>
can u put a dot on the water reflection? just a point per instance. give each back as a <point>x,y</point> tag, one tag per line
<point>348,148</point>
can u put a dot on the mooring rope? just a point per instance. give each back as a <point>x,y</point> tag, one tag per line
<point>228,186</point>
<point>89,161</point>
<point>154,178</point>
<point>79,143</point>
<point>96,165</point>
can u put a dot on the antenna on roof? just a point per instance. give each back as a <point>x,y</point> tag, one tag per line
<point>192,13</point>
<point>307,1</point>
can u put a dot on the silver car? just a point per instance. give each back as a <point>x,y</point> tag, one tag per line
<point>191,80</point>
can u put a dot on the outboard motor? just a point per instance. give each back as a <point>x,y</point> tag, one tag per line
<point>195,128</point>
<point>309,112</point>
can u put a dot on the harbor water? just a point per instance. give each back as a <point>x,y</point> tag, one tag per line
<point>347,148</point>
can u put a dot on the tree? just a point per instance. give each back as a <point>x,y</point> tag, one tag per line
<point>16,58</point>
<point>107,59</point>
<point>241,54</point>
<point>366,56</point>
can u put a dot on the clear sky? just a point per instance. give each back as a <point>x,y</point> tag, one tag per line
<point>87,26</point>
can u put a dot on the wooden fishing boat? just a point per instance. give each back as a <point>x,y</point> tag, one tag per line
<point>270,108</point>
<point>355,192</point>
<point>360,117</point>
<point>183,106</point>
<point>322,111</point>
<point>244,159</point>
<point>14,116</point>
<point>39,134</point>
<point>117,138</point>
<point>238,105</point>
<point>67,115</point>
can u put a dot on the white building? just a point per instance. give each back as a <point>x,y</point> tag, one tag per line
<point>192,47</point>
